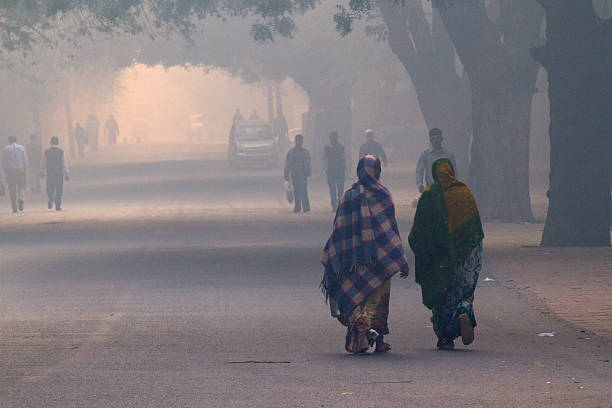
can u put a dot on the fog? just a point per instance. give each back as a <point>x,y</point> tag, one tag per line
<point>174,257</point>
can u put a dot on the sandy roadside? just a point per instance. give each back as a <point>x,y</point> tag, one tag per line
<point>574,283</point>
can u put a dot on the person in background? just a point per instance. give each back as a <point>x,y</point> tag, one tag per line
<point>428,157</point>
<point>55,168</point>
<point>15,164</point>
<point>446,239</point>
<point>297,170</point>
<point>93,132</point>
<point>112,130</point>
<point>237,117</point>
<point>34,153</point>
<point>362,254</point>
<point>254,115</point>
<point>80,136</point>
<point>372,147</point>
<point>334,163</point>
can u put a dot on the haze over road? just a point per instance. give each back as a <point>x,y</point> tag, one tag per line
<point>170,281</point>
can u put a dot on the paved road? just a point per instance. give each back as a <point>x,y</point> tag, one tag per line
<point>203,293</point>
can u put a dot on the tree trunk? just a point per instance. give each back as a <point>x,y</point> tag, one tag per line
<point>278,94</point>
<point>428,56</point>
<point>36,126</point>
<point>69,125</point>
<point>578,58</point>
<point>270,95</point>
<point>499,169</point>
<point>502,79</point>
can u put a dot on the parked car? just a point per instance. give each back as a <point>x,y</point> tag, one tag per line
<point>252,143</point>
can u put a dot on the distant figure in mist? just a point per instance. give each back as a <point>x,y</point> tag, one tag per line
<point>254,115</point>
<point>361,256</point>
<point>111,129</point>
<point>93,132</point>
<point>372,147</point>
<point>238,117</point>
<point>334,163</point>
<point>15,165</point>
<point>80,136</point>
<point>297,170</point>
<point>55,168</point>
<point>428,157</point>
<point>446,239</point>
<point>34,153</point>
<point>281,131</point>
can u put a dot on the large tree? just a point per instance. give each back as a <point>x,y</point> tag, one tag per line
<point>578,58</point>
<point>502,75</point>
<point>426,52</point>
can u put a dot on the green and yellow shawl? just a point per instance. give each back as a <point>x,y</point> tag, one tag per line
<point>446,229</point>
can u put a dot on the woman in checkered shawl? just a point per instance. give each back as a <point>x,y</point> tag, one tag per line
<point>362,254</point>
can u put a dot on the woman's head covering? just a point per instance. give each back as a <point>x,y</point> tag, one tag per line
<point>446,229</point>
<point>368,170</point>
<point>365,233</point>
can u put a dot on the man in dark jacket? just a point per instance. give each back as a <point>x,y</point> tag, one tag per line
<point>372,147</point>
<point>56,169</point>
<point>334,162</point>
<point>297,169</point>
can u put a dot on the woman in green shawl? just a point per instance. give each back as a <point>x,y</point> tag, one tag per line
<point>446,239</point>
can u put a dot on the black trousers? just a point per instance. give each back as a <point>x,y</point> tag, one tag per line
<point>55,188</point>
<point>335,180</point>
<point>300,192</point>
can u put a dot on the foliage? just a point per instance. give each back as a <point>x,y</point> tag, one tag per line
<point>24,22</point>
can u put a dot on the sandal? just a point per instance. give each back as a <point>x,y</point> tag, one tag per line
<point>382,349</point>
<point>444,344</point>
<point>467,330</point>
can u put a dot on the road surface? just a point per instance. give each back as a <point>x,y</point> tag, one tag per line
<point>172,281</point>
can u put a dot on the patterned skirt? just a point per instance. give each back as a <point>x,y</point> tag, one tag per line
<point>371,314</point>
<point>459,299</point>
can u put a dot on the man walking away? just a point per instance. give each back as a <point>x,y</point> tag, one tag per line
<point>428,157</point>
<point>80,136</point>
<point>34,153</point>
<point>334,162</point>
<point>372,147</point>
<point>112,130</point>
<point>93,132</point>
<point>15,164</point>
<point>297,169</point>
<point>56,169</point>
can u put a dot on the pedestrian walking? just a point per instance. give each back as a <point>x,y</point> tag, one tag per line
<point>56,170</point>
<point>372,147</point>
<point>15,164</point>
<point>428,157</point>
<point>112,130</point>
<point>297,170</point>
<point>80,136</point>
<point>446,239</point>
<point>34,153</point>
<point>362,254</point>
<point>334,162</point>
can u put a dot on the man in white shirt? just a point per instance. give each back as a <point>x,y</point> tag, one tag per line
<point>428,157</point>
<point>15,164</point>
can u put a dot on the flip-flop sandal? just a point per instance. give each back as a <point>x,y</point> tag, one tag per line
<point>386,347</point>
<point>467,331</point>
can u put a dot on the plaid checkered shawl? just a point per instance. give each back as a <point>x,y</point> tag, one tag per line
<point>365,233</point>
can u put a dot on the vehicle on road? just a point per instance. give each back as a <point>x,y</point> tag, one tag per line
<point>252,143</point>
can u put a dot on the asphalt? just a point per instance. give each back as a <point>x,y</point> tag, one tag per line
<point>176,282</point>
